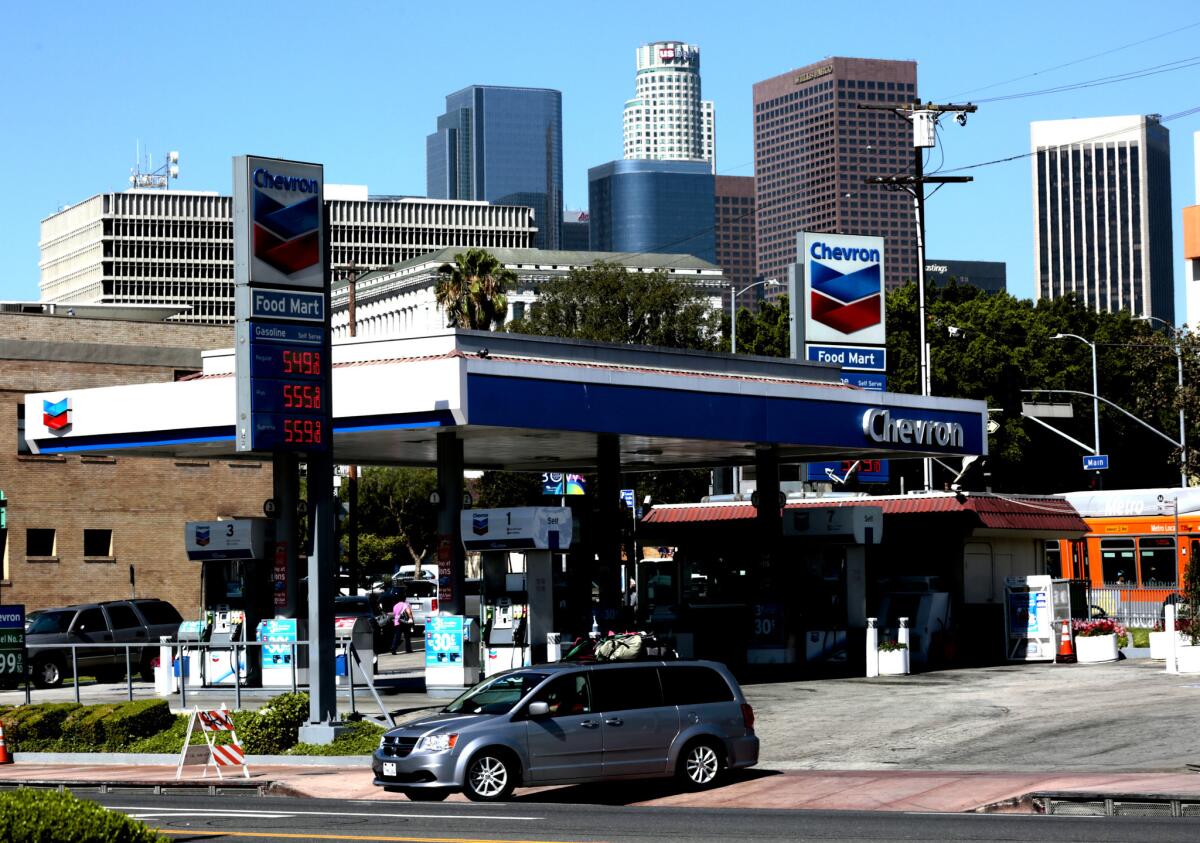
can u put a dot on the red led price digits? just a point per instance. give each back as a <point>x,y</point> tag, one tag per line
<point>301,432</point>
<point>301,362</point>
<point>298,397</point>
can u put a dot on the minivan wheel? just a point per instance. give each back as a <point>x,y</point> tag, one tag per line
<point>491,777</point>
<point>700,765</point>
<point>47,672</point>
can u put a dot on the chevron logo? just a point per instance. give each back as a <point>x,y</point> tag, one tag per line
<point>56,415</point>
<point>287,236</point>
<point>847,302</point>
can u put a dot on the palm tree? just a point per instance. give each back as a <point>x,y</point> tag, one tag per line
<point>472,290</point>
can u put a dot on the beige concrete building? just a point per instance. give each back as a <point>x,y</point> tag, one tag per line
<point>176,247</point>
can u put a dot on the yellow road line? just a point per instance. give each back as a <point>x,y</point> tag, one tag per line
<point>389,839</point>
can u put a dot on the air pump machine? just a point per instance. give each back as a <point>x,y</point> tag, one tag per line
<point>520,553</point>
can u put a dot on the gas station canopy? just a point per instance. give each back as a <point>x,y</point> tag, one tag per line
<point>531,403</point>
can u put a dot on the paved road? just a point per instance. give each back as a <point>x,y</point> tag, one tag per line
<point>241,818</point>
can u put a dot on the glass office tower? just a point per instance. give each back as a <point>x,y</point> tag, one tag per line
<point>501,145</point>
<point>652,206</point>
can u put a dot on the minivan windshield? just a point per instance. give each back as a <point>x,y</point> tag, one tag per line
<point>496,695</point>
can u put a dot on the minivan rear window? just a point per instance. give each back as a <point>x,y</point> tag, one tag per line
<point>694,686</point>
<point>625,688</point>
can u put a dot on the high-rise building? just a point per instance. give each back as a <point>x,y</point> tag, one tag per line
<point>989,276</point>
<point>813,147</point>
<point>652,206</point>
<point>1102,213</point>
<point>176,247</point>
<point>501,145</point>
<point>1191,246</point>
<point>734,221</point>
<point>667,120</point>
<point>575,231</point>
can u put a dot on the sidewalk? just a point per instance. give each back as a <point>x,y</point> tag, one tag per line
<point>891,790</point>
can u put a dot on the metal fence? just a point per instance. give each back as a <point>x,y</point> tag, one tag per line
<point>1132,606</point>
<point>70,655</point>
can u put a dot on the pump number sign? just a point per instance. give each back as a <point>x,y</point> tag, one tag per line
<point>12,640</point>
<point>443,640</point>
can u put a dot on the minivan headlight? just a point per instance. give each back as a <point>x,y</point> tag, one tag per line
<point>437,743</point>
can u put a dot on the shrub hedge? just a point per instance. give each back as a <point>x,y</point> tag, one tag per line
<point>34,816</point>
<point>149,726</point>
<point>67,727</point>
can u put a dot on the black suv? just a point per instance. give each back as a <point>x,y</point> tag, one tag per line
<point>115,621</point>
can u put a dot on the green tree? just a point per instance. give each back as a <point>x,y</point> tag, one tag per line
<point>395,516</point>
<point>606,302</point>
<point>472,290</point>
<point>765,332</point>
<point>1003,345</point>
<point>509,488</point>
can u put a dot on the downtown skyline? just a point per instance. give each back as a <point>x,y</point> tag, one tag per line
<point>74,134</point>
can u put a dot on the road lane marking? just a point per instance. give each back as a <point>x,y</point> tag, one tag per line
<point>287,813</point>
<point>287,836</point>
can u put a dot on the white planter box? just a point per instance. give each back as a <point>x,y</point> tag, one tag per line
<point>1093,649</point>
<point>895,662</point>
<point>1160,643</point>
<point>1189,659</point>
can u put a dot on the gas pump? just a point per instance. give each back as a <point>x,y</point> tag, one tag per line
<point>521,551</point>
<point>235,593</point>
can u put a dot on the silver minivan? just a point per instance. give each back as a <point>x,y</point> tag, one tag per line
<point>566,723</point>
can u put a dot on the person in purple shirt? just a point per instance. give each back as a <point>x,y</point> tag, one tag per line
<point>402,624</point>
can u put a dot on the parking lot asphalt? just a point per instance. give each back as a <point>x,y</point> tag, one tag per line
<point>1001,730</point>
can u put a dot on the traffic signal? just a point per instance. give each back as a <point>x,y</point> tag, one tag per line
<point>3,512</point>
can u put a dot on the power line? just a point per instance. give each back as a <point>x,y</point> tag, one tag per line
<point>1165,119</point>
<point>1142,73</point>
<point>1073,62</point>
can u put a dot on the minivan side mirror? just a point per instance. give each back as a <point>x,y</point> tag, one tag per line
<point>539,709</point>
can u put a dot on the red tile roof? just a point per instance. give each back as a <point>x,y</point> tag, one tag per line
<point>999,512</point>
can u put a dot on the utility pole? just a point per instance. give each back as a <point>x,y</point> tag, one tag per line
<point>352,470</point>
<point>924,119</point>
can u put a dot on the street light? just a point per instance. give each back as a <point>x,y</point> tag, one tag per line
<point>1095,386</point>
<point>1183,478</point>
<point>770,282</point>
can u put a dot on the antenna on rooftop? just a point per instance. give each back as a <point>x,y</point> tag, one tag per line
<point>159,179</point>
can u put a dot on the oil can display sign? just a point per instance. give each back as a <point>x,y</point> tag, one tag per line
<point>12,641</point>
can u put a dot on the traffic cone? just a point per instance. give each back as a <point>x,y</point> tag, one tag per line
<point>1066,648</point>
<point>5,756</point>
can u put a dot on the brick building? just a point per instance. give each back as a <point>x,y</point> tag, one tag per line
<point>76,524</point>
<point>734,217</point>
<point>813,146</point>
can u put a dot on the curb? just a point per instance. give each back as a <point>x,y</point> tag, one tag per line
<point>126,759</point>
<point>214,787</point>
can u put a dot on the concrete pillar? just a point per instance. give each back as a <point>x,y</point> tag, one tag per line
<point>450,487</point>
<point>608,519</point>
<point>322,568</point>
<point>770,526</point>
<point>286,479</point>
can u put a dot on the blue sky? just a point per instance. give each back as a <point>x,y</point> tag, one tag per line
<point>358,85</point>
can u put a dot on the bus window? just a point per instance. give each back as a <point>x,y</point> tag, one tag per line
<point>1054,559</point>
<point>1117,563</point>
<point>1158,561</point>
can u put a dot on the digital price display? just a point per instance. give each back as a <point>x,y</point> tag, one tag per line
<point>289,398</point>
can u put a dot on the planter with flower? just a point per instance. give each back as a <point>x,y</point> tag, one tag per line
<point>1160,639</point>
<point>1096,640</point>
<point>893,658</point>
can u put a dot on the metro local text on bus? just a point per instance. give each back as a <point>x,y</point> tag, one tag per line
<point>880,426</point>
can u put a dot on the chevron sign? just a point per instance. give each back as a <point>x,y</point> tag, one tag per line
<point>843,279</point>
<point>56,415</point>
